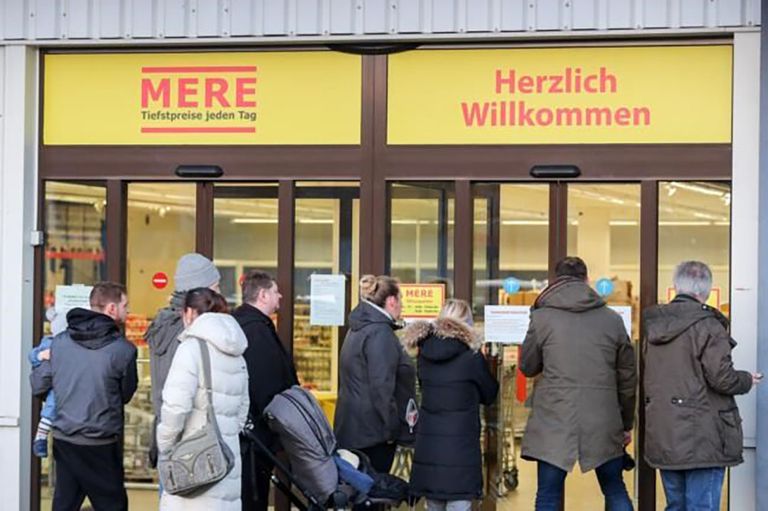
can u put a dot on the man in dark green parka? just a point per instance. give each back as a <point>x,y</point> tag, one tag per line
<point>692,424</point>
<point>584,398</point>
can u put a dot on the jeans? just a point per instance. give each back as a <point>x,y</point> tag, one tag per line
<point>551,482</point>
<point>449,505</point>
<point>693,490</point>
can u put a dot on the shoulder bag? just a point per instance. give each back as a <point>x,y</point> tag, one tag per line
<point>202,459</point>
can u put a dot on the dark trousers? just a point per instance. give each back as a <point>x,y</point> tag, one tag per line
<point>381,456</point>
<point>95,471</point>
<point>551,481</point>
<point>255,479</point>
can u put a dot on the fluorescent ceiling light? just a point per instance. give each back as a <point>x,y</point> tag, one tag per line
<point>684,223</point>
<point>315,221</point>
<point>623,223</point>
<point>524,222</point>
<point>412,222</point>
<point>254,220</point>
<point>698,189</point>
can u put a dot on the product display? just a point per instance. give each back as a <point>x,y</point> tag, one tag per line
<point>313,351</point>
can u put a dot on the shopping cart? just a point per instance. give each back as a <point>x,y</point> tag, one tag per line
<point>515,390</point>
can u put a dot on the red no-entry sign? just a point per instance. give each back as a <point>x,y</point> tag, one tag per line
<point>159,280</point>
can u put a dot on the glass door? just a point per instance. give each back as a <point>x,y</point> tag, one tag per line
<point>516,229</point>
<point>695,223</point>
<point>421,233</point>
<point>75,255</point>
<point>161,223</point>
<point>326,273</point>
<point>245,232</point>
<point>510,267</point>
<point>604,230</point>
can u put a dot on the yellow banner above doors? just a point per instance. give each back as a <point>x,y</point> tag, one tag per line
<point>202,98</point>
<point>595,95</point>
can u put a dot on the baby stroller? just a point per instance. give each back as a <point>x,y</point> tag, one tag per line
<point>326,477</point>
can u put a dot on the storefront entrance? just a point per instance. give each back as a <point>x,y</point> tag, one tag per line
<point>293,230</point>
<point>330,163</point>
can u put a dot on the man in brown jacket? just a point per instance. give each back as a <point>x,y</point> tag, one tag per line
<point>692,424</point>
<point>584,399</point>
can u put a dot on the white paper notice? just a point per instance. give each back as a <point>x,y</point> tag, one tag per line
<point>625,311</point>
<point>326,301</point>
<point>506,324</point>
<point>69,297</point>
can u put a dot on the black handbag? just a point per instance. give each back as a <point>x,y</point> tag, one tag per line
<point>203,458</point>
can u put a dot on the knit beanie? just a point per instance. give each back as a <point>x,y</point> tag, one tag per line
<point>194,270</point>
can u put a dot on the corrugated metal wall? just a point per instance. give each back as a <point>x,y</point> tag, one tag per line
<point>361,19</point>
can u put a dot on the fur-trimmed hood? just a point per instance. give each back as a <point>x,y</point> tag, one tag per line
<point>443,328</point>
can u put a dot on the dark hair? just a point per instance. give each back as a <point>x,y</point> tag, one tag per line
<point>253,282</point>
<point>572,267</point>
<point>202,300</point>
<point>378,289</point>
<point>104,293</point>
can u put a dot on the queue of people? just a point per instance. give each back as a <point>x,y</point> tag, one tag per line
<point>208,365</point>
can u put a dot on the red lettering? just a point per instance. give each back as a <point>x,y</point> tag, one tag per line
<point>524,115</point>
<point>474,114</point>
<point>215,89</point>
<point>149,92</point>
<point>509,81</point>
<point>242,90</point>
<point>187,87</point>
<point>589,84</point>
<point>525,84</point>
<point>606,77</point>
<point>622,116</point>
<point>544,117</point>
<point>641,112</point>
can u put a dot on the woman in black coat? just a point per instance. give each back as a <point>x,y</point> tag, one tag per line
<point>376,376</point>
<point>455,380</point>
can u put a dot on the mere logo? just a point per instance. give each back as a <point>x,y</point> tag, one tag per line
<point>203,95</point>
<point>224,87</point>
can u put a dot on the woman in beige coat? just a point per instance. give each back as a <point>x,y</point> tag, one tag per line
<point>184,399</point>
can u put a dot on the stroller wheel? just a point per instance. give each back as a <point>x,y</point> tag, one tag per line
<point>511,480</point>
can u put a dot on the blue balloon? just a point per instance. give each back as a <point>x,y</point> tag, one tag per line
<point>604,287</point>
<point>511,285</point>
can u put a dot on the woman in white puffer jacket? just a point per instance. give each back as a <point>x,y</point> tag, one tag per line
<point>184,399</point>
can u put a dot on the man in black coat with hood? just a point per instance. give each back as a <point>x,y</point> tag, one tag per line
<point>270,371</point>
<point>92,369</point>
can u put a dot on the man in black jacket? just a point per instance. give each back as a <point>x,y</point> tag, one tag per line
<point>270,371</point>
<point>92,369</point>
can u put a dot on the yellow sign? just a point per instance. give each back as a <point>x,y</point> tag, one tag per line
<point>712,301</point>
<point>422,301</point>
<point>202,98</point>
<point>672,94</point>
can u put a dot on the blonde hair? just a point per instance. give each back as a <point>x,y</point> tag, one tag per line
<point>456,309</point>
<point>376,289</point>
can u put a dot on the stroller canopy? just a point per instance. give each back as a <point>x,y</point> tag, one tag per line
<point>296,417</point>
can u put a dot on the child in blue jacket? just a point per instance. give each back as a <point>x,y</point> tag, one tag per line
<point>39,353</point>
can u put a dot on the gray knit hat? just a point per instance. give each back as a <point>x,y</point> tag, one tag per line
<point>195,270</point>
